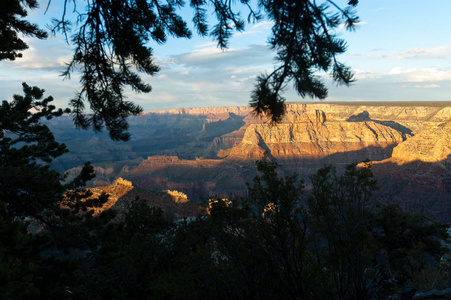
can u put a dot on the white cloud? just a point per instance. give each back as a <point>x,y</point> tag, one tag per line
<point>213,58</point>
<point>48,54</point>
<point>361,74</point>
<point>35,60</point>
<point>417,53</point>
<point>265,24</point>
<point>207,45</point>
<point>256,29</point>
<point>427,86</point>
<point>419,74</point>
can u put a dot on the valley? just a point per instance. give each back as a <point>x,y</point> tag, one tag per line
<point>212,151</point>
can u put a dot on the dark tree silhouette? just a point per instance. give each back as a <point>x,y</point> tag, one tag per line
<point>27,146</point>
<point>330,244</point>
<point>12,24</point>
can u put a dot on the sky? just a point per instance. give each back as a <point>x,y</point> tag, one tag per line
<point>401,51</point>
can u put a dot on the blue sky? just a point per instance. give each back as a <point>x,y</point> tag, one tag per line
<point>400,52</point>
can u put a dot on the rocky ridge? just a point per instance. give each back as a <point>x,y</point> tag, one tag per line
<point>316,139</point>
<point>430,145</point>
<point>207,111</point>
<point>122,193</point>
<point>320,130</point>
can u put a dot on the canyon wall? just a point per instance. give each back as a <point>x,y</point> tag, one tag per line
<point>315,131</point>
<point>207,111</point>
<point>408,143</point>
<point>212,151</point>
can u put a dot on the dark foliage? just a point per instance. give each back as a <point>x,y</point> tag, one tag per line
<point>278,244</point>
<point>12,24</point>
<point>332,244</point>
<point>27,184</point>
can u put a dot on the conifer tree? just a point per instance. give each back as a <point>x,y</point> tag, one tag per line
<point>12,23</point>
<point>27,183</point>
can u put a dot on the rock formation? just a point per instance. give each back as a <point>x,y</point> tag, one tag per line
<point>205,152</point>
<point>430,145</point>
<point>311,135</point>
<point>317,138</point>
<point>207,111</point>
<point>122,193</point>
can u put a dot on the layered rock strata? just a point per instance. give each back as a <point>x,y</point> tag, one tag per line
<point>316,139</point>
<point>430,145</point>
<point>407,141</point>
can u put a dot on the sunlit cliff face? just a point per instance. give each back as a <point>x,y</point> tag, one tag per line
<point>315,131</point>
<point>317,140</point>
<point>430,145</point>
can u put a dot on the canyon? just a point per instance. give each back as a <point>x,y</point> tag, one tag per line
<point>203,152</point>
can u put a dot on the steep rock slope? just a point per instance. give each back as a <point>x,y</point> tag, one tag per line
<point>319,130</point>
<point>430,145</point>
<point>316,138</point>
<point>122,193</point>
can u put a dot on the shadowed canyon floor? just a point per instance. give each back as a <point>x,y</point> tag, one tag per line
<point>211,151</point>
